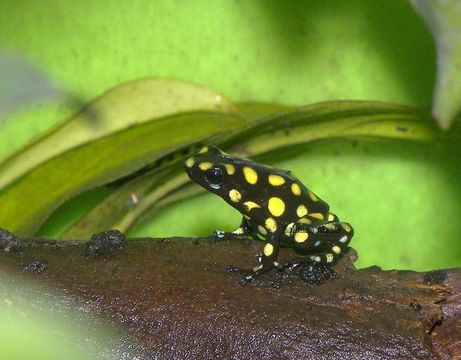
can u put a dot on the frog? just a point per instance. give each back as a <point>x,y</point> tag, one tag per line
<point>275,206</point>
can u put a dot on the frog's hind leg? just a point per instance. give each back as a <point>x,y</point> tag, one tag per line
<point>325,243</point>
<point>331,239</point>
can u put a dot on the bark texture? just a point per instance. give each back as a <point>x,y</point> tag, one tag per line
<point>182,299</point>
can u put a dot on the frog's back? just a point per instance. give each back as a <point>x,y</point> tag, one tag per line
<point>280,191</point>
<point>301,202</point>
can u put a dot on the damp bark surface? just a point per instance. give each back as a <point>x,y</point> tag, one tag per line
<point>184,299</point>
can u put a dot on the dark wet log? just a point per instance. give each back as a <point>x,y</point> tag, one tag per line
<point>181,298</point>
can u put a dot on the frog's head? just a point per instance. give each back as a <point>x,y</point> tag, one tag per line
<point>215,170</point>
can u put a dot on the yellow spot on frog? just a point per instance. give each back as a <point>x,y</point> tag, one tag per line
<point>268,249</point>
<point>331,217</point>
<point>288,229</point>
<point>276,180</point>
<point>205,166</point>
<point>346,227</point>
<point>301,211</point>
<point>336,249</point>
<point>313,196</point>
<point>329,258</point>
<point>318,216</point>
<point>230,169</point>
<point>276,206</point>
<point>250,175</point>
<point>271,225</point>
<point>234,195</point>
<point>304,221</point>
<point>250,205</point>
<point>295,189</point>
<point>301,236</point>
<point>203,150</point>
<point>262,230</point>
<point>190,162</point>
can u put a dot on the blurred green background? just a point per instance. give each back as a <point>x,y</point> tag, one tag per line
<point>402,198</point>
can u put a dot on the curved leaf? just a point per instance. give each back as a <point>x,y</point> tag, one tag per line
<point>27,202</point>
<point>257,110</point>
<point>124,106</point>
<point>124,205</point>
<point>333,120</point>
<point>330,120</point>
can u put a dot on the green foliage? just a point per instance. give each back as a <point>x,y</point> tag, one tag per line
<point>123,107</point>
<point>297,53</point>
<point>268,135</point>
<point>140,162</point>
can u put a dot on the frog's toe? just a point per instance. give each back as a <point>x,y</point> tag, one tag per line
<point>219,234</point>
<point>247,278</point>
<point>239,231</point>
<point>258,269</point>
<point>290,266</point>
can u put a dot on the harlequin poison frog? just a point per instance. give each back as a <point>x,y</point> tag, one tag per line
<point>275,206</point>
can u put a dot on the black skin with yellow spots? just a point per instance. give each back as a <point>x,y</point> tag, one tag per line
<point>275,206</point>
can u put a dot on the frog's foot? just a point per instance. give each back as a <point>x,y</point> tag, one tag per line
<point>237,233</point>
<point>292,265</point>
<point>240,231</point>
<point>244,229</point>
<point>249,276</point>
<point>262,267</point>
<point>298,263</point>
<point>219,234</point>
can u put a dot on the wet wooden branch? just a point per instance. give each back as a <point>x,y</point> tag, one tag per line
<point>181,298</point>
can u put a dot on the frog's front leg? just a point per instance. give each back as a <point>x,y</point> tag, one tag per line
<point>269,254</point>
<point>266,259</point>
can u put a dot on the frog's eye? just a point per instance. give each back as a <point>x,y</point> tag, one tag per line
<point>215,177</point>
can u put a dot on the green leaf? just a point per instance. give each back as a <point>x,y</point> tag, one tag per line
<point>274,134</point>
<point>334,120</point>
<point>28,202</point>
<point>126,105</point>
<point>123,206</point>
<point>256,110</point>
